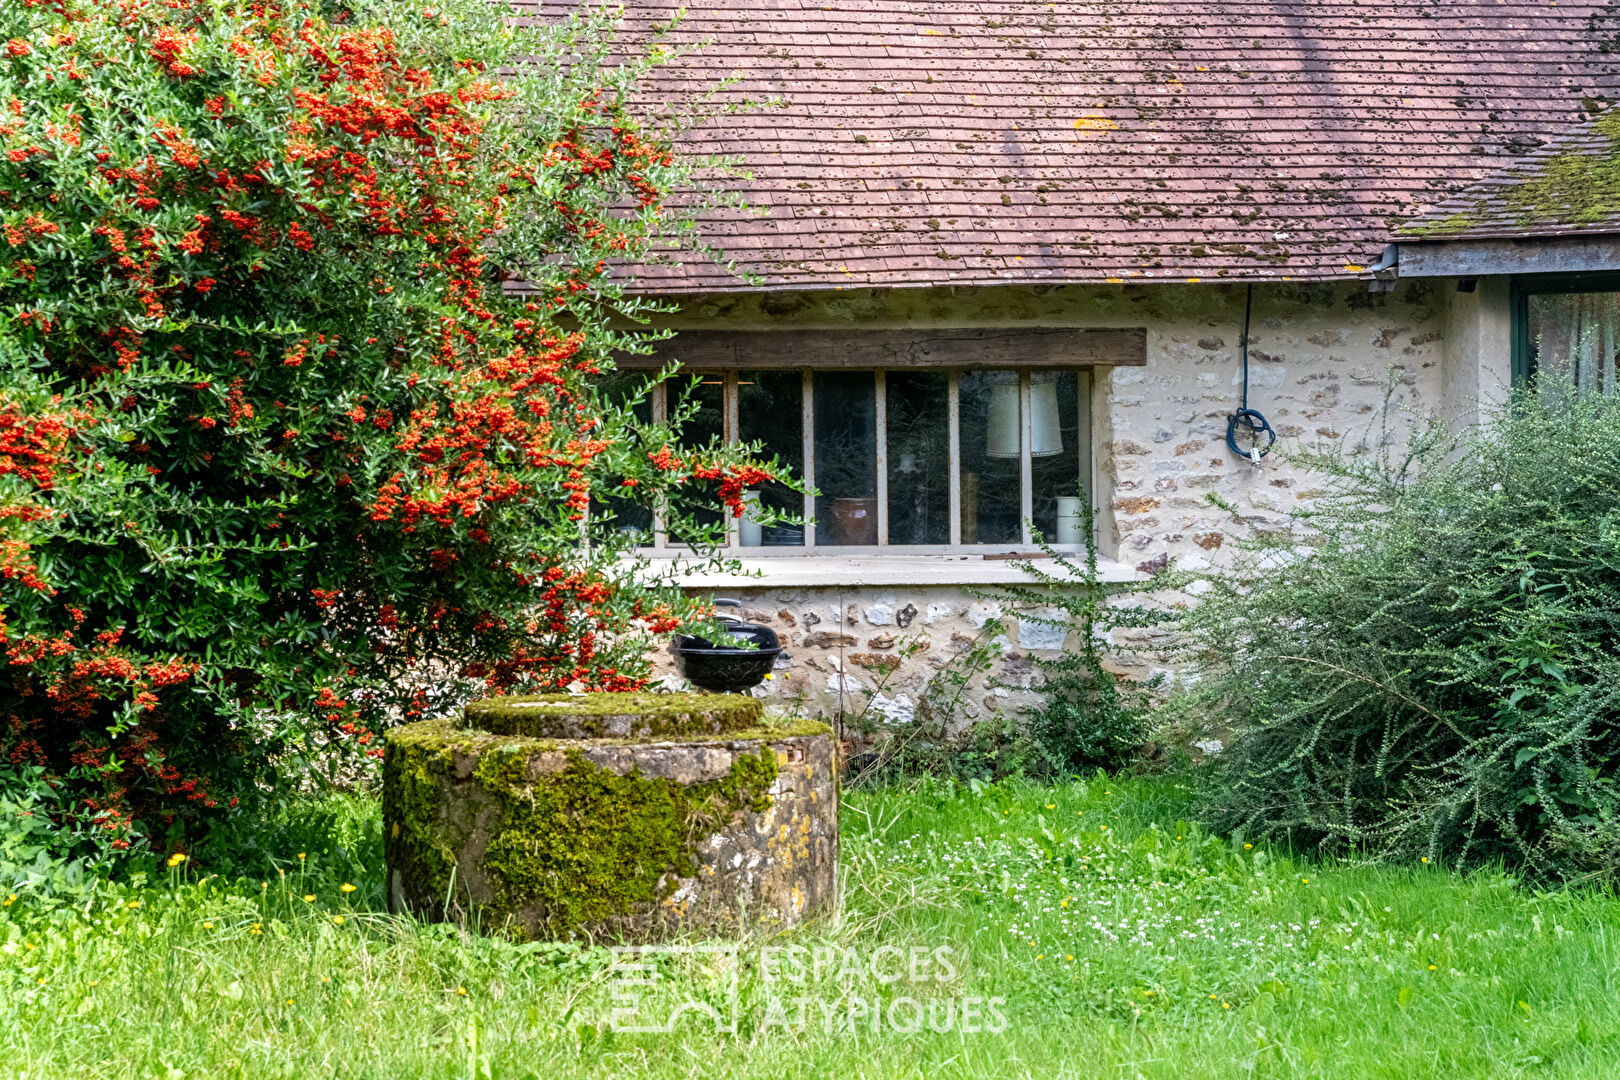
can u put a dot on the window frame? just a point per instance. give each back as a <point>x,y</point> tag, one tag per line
<point>661,545</point>
<point>1525,286</point>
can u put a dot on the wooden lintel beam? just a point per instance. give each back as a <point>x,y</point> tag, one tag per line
<point>1022,347</point>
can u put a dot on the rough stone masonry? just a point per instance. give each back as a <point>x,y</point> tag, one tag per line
<point>619,816</point>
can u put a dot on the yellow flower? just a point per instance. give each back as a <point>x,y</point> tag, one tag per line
<point>1433,968</point>
<point>461,990</point>
<point>1040,956</point>
<point>1226,1004</point>
<point>1070,956</point>
<point>1051,806</point>
<point>134,903</point>
<point>1425,858</point>
<point>346,887</point>
<point>256,929</point>
<point>300,854</point>
<point>1064,904</point>
<point>177,858</point>
<point>1304,881</point>
<point>337,920</point>
<point>1246,847</point>
<point>12,899</point>
<point>208,926</point>
<point>309,898</point>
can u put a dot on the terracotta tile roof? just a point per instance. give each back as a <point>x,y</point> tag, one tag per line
<point>1568,187</point>
<point>914,142</point>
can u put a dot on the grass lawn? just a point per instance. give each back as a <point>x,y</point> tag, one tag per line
<point>1081,930</point>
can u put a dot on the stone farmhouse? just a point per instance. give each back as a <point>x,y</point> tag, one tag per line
<point>1006,252</point>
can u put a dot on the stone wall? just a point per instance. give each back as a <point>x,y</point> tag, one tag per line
<point>1331,366</point>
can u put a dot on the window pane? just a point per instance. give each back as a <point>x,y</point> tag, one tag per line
<point>846,458</point>
<point>706,392</point>
<point>1575,335</point>
<point>770,409</point>
<point>627,517</point>
<point>991,470</point>
<point>918,452</point>
<point>1059,459</point>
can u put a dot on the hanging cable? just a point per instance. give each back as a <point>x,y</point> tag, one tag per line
<point>1247,420</point>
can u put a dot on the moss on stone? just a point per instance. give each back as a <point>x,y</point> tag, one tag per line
<point>569,849</point>
<point>591,716</point>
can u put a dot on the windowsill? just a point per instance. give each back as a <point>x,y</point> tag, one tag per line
<point>861,571</point>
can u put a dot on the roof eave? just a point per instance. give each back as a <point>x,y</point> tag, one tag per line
<point>1485,256</point>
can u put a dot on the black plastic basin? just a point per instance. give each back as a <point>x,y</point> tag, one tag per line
<point>726,668</point>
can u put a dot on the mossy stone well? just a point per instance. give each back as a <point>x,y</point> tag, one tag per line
<point>614,816</point>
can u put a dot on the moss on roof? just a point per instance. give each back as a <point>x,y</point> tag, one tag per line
<point>1572,187</point>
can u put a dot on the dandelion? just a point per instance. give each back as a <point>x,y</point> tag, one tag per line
<point>1051,806</point>
<point>461,991</point>
<point>337,920</point>
<point>1425,858</point>
<point>208,926</point>
<point>134,903</point>
<point>12,899</point>
<point>1304,881</point>
<point>346,887</point>
<point>1433,967</point>
<point>1069,957</point>
<point>1040,956</point>
<point>300,855</point>
<point>309,898</point>
<point>1226,1004</point>
<point>1247,847</point>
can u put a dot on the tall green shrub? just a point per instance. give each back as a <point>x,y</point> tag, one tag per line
<point>282,456</point>
<point>1435,672</point>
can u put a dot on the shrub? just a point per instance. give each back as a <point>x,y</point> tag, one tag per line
<point>1090,717</point>
<point>1436,674</point>
<point>281,456</point>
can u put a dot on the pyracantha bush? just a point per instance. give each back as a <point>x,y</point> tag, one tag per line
<point>284,453</point>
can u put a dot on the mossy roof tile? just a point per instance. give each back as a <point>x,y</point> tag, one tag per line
<point>1309,124</point>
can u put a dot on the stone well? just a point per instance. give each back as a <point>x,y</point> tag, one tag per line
<point>622,816</point>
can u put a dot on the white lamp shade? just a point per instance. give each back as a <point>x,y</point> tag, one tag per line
<point>749,531</point>
<point>1001,432</point>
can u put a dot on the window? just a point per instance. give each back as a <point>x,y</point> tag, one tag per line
<point>919,459</point>
<point>1568,323</point>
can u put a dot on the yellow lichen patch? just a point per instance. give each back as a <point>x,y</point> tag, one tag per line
<point>1096,122</point>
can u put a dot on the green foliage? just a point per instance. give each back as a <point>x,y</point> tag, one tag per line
<point>1435,674</point>
<point>941,739</point>
<point>283,459</point>
<point>1089,718</point>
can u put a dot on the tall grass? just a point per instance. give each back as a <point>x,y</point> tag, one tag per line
<point>1119,940</point>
